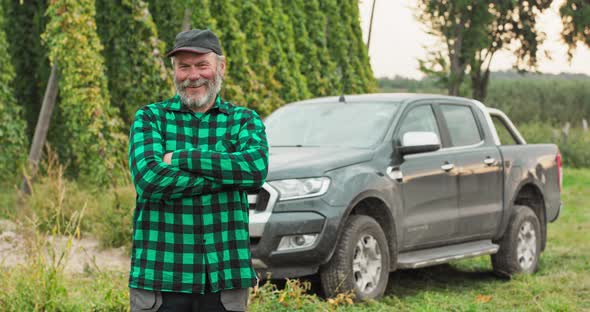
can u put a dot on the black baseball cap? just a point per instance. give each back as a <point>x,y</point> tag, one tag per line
<point>196,41</point>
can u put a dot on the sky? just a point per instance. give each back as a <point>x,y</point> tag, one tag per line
<point>398,41</point>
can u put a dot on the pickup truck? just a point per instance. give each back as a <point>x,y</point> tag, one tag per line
<point>360,186</point>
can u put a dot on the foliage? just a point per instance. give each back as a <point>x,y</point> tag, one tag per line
<point>472,32</point>
<point>575,15</point>
<point>168,17</point>
<point>278,32</point>
<point>363,79</point>
<point>317,77</point>
<point>91,138</point>
<point>12,126</point>
<point>41,283</point>
<point>56,201</point>
<point>403,84</point>
<point>277,52</point>
<point>258,53</point>
<point>240,79</point>
<point>316,22</point>
<point>133,54</point>
<point>573,145</point>
<point>551,101</point>
<point>26,20</point>
<point>293,297</point>
<point>344,42</point>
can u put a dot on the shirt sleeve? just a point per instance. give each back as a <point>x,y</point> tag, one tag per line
<point>153,178</point>
<point>246,168</point>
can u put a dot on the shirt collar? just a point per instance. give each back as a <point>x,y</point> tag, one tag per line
<point>174,104</point>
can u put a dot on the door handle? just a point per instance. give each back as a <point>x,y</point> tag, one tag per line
<point>489,161</point>
<point>447,167</point>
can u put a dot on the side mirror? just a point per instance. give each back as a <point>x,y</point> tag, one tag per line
<point>414,142</point>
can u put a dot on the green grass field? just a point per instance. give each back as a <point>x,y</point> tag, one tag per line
<point>562,283</point>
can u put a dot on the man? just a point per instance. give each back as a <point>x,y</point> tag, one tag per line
<point>192,159</point>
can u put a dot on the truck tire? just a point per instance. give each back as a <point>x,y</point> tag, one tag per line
<point>520,247</point>
<point>360,263</point>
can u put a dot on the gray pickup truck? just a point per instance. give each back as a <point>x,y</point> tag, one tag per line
<point>359,186</point>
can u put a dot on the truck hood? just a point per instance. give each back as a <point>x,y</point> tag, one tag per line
<point>300,162</point>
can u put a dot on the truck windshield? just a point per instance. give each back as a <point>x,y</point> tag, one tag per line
<point>359,125</point>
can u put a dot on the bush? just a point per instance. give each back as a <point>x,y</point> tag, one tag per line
<point>293,297</point>
<point>55,201</point>
<point>574,146</point>
<point>39,286</point>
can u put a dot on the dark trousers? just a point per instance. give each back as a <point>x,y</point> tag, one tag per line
<point>153,301</point>
<point>180,302</point>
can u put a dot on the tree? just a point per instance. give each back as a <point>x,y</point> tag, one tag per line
<point>316,22</point>
<point>472,32</point>
<point>168,16</point>
<point>311,66</point>
<point>346,46</point>
<point>201,16</point>
<point>239,76</point>
<point>278,33</point>
<point>506,24</point>
<point>90,127</point>
<point>12,126</point>
<point>575,16</point>
<point>258,54</point>
<point>27,21</point>
<point>360,55</point>
<point>133,54</point>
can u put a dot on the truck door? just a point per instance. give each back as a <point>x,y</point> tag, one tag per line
<point>428,187</point>
<point>479,169</point>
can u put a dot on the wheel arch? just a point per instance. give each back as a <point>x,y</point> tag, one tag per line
<point>372,204</point>
<point>529,194</point>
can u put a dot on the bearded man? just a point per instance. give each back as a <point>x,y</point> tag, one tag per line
<point>193,158</point>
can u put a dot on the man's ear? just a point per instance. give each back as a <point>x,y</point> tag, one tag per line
<point>222,67</point>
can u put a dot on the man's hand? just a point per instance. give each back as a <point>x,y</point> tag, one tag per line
<point>167,158</point>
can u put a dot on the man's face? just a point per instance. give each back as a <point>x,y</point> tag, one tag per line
<point>198,78</point>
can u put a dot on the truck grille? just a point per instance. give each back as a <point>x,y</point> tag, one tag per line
<point>258,200</point>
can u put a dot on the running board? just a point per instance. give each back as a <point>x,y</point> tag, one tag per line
<point>438,255</point>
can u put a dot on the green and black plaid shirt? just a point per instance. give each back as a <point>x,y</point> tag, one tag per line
<point>190,225</point>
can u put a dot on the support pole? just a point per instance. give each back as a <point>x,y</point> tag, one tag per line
<point>41,129</point>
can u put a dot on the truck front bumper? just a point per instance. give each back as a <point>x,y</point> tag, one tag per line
<point>311,216</point>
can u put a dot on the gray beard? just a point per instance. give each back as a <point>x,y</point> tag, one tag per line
<point>213,88</point>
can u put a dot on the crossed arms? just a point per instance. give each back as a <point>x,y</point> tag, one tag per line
<point>194,171</point>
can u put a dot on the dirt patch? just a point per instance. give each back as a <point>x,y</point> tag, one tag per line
<point>82,254</point>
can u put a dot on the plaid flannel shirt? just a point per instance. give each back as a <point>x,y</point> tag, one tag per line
<point>190,225</point>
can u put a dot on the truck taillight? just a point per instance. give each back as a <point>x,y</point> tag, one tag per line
<point>559,170</point>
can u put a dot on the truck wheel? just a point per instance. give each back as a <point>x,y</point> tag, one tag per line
<point>360,262</point>
<point>520,247</point>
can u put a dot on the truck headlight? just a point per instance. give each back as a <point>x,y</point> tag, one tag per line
<point>301,188</point>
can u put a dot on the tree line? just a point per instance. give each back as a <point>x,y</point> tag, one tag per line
<point>525,98</point>
<point>471,33</point>
<point>110,60</point>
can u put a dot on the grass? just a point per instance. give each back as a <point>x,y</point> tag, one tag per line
<point>562,283</point>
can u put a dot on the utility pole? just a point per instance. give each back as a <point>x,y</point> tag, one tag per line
<point>371,25</point>
<point>186,20</point>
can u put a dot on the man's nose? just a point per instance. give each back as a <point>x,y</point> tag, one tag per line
<point>194,74</point>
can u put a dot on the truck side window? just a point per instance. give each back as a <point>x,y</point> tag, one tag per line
<point>461,123</point>
<point>504,133</point>
<point>419,118</point>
